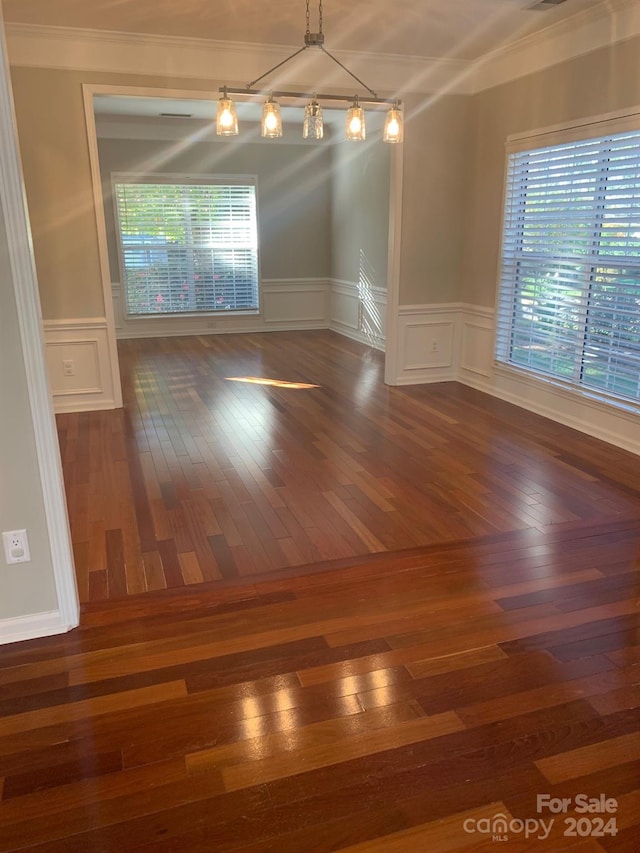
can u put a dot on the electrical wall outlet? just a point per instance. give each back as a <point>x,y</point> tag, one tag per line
<point>16,546</point>
<point>68,367</point>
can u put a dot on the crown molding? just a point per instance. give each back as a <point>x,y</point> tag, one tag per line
<point>599,26</point>
<point>235,63</point>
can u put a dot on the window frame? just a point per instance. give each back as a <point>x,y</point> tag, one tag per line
<point>594,127</point>
<point>184,178</point>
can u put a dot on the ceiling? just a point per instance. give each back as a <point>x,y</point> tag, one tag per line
<point>456,29</point>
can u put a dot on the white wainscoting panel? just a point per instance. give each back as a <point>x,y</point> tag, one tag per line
<point>475,359</point>
<point>427,343</point>
<point>300,303</point>
<point>78,363</point>
<point>295,303</point>
<point>358,312</point>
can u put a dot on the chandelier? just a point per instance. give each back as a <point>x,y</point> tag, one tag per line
<point>313,127</point>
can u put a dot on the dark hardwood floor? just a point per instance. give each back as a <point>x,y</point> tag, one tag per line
<point>378,705</point>
<point>200,478</point>
<point>462,637</point>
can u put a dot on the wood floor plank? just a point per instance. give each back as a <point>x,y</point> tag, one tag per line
<point>588,759</point>
<point>244,752</point>
<point>442,836</point>
<point>90,707</point>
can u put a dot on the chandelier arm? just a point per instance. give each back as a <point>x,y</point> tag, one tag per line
<point>279,65</point>
<point>350,73</point>
<point>305,96</point>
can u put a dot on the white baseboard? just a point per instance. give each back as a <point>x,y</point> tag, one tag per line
<point>83,345</point>
<point>32,626</point>
<point>618,428</point>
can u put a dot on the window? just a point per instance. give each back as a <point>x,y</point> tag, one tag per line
<point>570,283</point>
<point>188,247</point>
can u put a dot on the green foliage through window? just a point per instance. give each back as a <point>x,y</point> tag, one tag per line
<point>189,247</point>
<point>570,280</point>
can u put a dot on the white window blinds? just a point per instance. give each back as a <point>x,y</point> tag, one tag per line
<point>188,247</point>
<point>570,282</point>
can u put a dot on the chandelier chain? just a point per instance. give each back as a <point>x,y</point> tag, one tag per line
<point>308,18</point>
<point>315,39</point>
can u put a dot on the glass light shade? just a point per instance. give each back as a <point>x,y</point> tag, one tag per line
<point>393,126</point>
<point>313,127</point>
<point>226,118</point>
<point>271,120</point>
<point>355,122</point>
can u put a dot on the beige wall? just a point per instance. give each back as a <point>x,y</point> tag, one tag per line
<point>597,83</point>
<point>452,189</point>
<point>28,587</point>
<point>294,188</point>
<point>360,211</point>
<point>53,145</point>
<point>435,185</point>
<point>53,142</point>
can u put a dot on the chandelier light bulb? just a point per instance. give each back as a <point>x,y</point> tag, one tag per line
<point>393,126</point>
<point>226,117</point>
<point>355,122</point>
<point>271,119</point>
<point>271,122</point>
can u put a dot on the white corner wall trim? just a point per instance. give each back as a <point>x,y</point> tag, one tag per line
<point>71,48</point>
<point>78,361</point>
<point>32,626</point>
<point>358,311</point>
<point>25,286</point>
